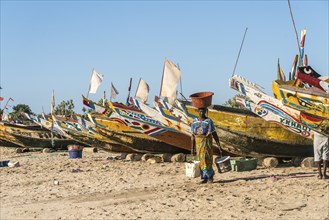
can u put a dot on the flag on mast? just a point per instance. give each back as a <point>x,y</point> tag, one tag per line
<point>95,81</point>
<point>129,89</point>
<point>170,78</point>
<point>302,43</point>
<point>280,75</point>
<point>294,67</point>
<point>142,91</point>
<point>52,103</point>
<point>114,91</point>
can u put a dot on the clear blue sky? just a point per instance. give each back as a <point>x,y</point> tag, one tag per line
<point>48,45</point>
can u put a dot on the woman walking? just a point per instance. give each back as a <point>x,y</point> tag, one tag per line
<point>203,130</point>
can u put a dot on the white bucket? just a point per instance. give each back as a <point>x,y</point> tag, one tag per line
<point>192,169</point>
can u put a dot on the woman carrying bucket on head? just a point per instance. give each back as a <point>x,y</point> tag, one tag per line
<point>203,130</point>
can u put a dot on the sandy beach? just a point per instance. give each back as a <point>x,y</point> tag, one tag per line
<point>52,186</point>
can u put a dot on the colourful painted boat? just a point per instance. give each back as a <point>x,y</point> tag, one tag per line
<point>292,126</point>
<point>260,98</point>
<point>312,101</point>
<point>138,120</point>
<point>130,120</point>
<point>137,141</point>
<point>88,136</point>
<point>16,135</point>
<point>311,77</point>
<point>167,119</point>
<point>243,133</point>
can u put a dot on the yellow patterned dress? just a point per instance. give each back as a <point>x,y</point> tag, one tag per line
<point>202,131</point>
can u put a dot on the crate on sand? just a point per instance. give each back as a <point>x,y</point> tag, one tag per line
<point>243,164</point>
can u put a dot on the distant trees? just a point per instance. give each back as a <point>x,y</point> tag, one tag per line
<point>232,103</point>
<point>64,108</point>
<point>16,114</point>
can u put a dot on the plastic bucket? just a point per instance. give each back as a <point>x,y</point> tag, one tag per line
<point>201,99</point>
<point>223,164</point>
<point>192,169</point>
<point>74,147</point>
<point>4,163</point>
<point>75,153</point>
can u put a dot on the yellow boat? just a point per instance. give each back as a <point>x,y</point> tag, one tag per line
<point>312,100</point>
<point>116,129</point>
<point>244,133</point>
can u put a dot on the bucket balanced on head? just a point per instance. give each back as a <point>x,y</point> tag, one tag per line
<point>201,99</point>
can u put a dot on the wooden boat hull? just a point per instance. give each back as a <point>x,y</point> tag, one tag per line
<point>91,138</point>
<point>241,144</point>
<point>31,136</point>
<point>255,94</point>
<point>270,116</point>
<point>244,133</point>
<point>140,142</point>
<point>147,125</point>
<point>312,100</point>
<point>137,144</point>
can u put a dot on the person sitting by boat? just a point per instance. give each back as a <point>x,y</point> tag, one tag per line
<point>321,153</point>
<point>203,130</point>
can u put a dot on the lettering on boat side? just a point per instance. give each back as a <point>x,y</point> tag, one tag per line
<point>296,126</point>
<point>138,116</point>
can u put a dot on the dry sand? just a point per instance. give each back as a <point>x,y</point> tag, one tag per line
<point>97,188</point>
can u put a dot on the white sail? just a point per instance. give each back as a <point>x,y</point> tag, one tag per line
<point>170,78</point>
<point>142,91</point>
<point>114,91</point>
<point>95,81</point>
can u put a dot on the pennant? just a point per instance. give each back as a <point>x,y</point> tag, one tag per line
<point>294,65</point>
<point>303,36</point>
<point>170,78</point>
<point>94,106</point>
<point>11,99</point>
<point>114,91</point>
<point>142,91</point>
<point>1,98</point>
<point>95,81</point>
<point>305,60</point>
<point>129,89</point>
<point>301,46</point>
<point>280,74</point>
<point>52,111</point>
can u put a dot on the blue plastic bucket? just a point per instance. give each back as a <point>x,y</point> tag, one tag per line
<point>75,153</point>
<point>4,163</point>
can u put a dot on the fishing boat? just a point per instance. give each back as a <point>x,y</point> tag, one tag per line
<point>138,121</point>
<point>150,126</point>
<point>292,126</point>
<point>311,77</point>
<point>295,117</point>
<point>243,133</point>
<point>17,135</point>
<point>312,101</point>
<point>162,116</point>
<point>136,140</point>
<point>89,136</point>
